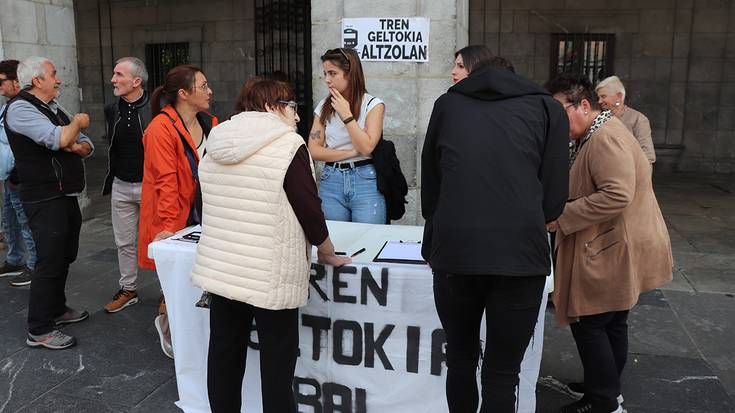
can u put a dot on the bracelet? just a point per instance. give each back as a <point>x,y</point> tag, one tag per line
<point>348,120</point>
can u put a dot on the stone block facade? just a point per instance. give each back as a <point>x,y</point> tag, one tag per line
<point>674,57</point>
<point>220,35</point>
<point>44,28</point>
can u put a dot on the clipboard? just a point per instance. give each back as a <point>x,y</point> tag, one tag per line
<point>400,252</point>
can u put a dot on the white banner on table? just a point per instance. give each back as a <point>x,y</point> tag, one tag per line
<point>387,39</point>
<point>370,339</point>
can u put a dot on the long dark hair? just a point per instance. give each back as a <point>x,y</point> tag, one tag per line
<point>349,62</point>
<point>180,77</point>
<point>475,57</point>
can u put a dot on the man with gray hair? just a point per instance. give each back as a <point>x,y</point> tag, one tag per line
<point>125,119</point>
<point>48,149</point>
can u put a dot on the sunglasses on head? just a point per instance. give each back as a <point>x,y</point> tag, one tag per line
<point>338,51</point>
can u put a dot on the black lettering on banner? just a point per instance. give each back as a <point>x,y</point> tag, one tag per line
<point>413,334</point>
<point>317,324</point>
<point>318,272</point>
<point>321,398</point>
<point>308,399</point>
<point>338,284</point>
<point>360,400</point>
<point>402,24</point>
<point>375,346</point>
<point>380,292</point>
<point>334,390</point>
<point>340,326</point>
<point>438,353</point>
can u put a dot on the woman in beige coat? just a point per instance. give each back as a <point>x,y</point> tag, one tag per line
<point>611,243</point>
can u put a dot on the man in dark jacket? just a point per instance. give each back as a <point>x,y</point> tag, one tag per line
<point>48,149</point>
<point>126,118</point>
<point>494,172</point>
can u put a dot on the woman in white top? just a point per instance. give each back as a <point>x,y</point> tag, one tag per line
<point>348,125</point>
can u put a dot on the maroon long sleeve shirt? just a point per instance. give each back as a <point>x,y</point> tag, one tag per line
<point>304,199</point>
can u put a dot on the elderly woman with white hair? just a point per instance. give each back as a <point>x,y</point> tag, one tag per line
<point>611,95</point>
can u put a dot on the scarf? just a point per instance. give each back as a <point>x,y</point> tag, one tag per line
<point>576,146</point>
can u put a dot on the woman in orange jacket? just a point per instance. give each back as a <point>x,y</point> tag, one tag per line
<point>173,144</point>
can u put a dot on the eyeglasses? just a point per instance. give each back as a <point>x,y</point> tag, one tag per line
<point>4,79</point>
<point>291,104</point>
<point>570,105</point>
<point>204,87</point>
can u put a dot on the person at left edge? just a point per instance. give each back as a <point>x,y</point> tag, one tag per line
<point>15,221</point>
<point>125,120</point>
<point>48,149</point>
<point>173,143</point>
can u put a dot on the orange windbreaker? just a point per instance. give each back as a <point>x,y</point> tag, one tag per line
<point>168,185</point>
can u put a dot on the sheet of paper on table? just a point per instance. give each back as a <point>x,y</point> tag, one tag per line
<point>405,252</point>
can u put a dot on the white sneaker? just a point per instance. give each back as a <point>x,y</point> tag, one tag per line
<point>166,346</point>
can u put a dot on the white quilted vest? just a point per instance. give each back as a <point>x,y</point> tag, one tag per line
<point>252,248</point>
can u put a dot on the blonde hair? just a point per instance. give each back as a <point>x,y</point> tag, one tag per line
<point>612,82</point>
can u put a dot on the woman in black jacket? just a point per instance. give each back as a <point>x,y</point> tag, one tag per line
<point>494,172</point>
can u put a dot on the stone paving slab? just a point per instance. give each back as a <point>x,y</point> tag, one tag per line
<point>682,356</point>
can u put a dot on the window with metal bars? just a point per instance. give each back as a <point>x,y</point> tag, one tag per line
<point>589,54</point>
<point>283,49</point>
<point>162,57</point>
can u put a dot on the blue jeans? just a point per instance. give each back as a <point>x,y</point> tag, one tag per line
<point>352,195</point>
<point>16,228</point>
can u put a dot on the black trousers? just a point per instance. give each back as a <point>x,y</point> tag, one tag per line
<point>602,342</point>
<point>511,306</point>
<point>55,225</point>
<point>278,335</point>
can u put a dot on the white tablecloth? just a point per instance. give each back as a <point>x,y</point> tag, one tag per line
<point>378,356</point>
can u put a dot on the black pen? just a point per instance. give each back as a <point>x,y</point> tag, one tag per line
<point>358,252</point>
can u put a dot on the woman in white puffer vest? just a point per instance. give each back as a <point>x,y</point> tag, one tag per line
<point>261,215</point>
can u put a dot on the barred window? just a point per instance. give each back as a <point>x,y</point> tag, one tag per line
<point>589,54</point>
<point>162,57</point>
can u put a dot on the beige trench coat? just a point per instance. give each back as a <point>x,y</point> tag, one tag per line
<point>638,124</point>
<point>612,242</point>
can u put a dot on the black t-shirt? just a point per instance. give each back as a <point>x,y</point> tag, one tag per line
<point>127,155</point>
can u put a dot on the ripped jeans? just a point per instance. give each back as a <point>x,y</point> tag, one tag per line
<point>511,306</point>
<point>352,195</point>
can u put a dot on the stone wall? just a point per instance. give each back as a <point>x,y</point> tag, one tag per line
<point>44,28</point>
<point>221,37</point>
<point>676,58</point>
<point>408,89</point>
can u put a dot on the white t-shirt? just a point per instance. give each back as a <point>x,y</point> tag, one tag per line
<point>337,136</point>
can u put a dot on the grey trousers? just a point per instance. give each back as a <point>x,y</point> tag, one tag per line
<point>125,217</point>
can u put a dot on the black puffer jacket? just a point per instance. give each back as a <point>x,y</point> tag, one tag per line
<point>494,172</point>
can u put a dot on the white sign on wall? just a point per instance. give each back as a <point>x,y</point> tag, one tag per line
<point>387,39</point>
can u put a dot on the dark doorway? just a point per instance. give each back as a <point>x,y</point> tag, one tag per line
<point>162,57</point>
<point>283,49</point>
